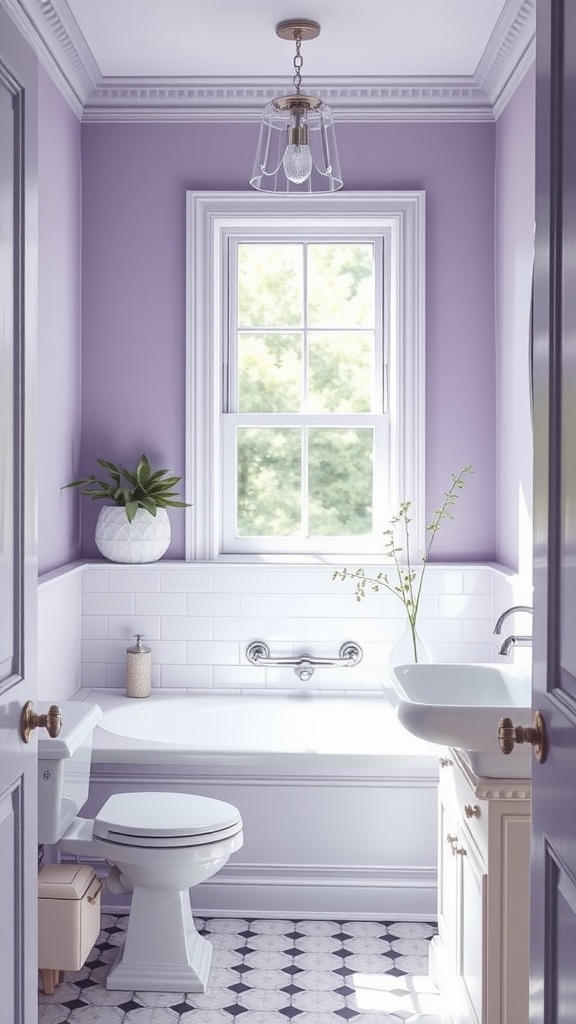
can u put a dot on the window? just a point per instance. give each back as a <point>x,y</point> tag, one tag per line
<point>306,370</point>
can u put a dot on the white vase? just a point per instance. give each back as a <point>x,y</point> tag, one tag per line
<point>145,539</point>
<point>403,652</point>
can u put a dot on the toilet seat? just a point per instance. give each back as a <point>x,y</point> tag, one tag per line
<point>165,820</point>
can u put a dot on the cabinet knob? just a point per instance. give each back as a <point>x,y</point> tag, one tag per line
<point>453,843</point>
<point>509,735</point>
<point>30,719</point>
<point>445,762</point>
<point>472,811</point>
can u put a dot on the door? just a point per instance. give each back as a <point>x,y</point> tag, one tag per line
<point>18,573</point>
<point>553,902</point>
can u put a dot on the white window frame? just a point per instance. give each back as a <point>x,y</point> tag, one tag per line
<point>212,218</point>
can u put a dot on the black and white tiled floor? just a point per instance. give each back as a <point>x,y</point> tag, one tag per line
<point>269,972</point>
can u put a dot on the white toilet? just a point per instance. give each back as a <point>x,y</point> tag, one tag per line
<point>159,846</point>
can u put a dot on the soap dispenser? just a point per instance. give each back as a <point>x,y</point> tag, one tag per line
<point>138,669</point>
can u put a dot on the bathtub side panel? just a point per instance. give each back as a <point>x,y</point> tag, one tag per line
<point>319,847</point>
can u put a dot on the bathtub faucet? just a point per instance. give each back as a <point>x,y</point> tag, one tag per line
<point>512,641</point>
<point>258,653</point>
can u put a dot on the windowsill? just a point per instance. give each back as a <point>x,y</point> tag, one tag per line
<point>243,561</point>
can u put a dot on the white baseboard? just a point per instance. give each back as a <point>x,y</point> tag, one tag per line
<point>333,892</point>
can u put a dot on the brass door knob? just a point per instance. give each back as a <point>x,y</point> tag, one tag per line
<point>52,721</point>
<point>509,735</point>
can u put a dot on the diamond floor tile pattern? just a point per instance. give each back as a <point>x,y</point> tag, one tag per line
<point>269,972</point>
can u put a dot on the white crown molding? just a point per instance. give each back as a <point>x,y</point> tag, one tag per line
<point>53,34</point>
<point>242,99</point>
<point>509,54</point>
<point>51,30</point>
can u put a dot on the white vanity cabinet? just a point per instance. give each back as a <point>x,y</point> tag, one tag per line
<point>481,954</point>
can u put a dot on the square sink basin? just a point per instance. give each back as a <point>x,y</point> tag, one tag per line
<point>461,706</point>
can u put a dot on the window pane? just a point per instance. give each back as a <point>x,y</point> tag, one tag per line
<point>270,285</point>
<point>269,372</point>
<point>269,481</point>
<point>340,481</point>
<point>341,285</point>
<point>340,369</point>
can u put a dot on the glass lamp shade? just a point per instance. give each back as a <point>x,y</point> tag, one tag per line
<point>297,147</point>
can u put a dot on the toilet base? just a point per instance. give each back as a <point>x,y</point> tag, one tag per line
<point>151,977</point>
<point>162,952</point>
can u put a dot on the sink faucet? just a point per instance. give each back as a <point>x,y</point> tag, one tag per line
<point>512,641</point>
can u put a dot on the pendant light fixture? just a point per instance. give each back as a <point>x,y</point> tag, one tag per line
<point>297,145</point>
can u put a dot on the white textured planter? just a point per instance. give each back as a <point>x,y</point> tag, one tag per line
<point>145,539</point>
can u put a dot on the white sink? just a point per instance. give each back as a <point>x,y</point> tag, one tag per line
<point>461,706</point>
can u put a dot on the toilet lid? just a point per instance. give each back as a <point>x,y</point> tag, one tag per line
<point>165,819</point>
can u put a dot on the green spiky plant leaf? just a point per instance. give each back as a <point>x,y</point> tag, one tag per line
<point>132,489</point>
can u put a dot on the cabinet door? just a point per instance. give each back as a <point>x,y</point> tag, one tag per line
<point>448,872</point>
<point>473,885</point>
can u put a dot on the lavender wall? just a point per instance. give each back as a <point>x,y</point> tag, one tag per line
<point>59,350</point>
<point>515,187</point>
<point>133,393</point>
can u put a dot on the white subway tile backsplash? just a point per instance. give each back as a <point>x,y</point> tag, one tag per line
<point>93,674</point>
<point>450,582</point>
<point>440,630</point>
<point>294,581</point>
<point>94,581</point>
<point>169,652</point>
<point>59,631</point>
<point>478,581</point>
<point>186,677</point>
<point>139,581</point>
<point>467,653</point>
<point>125,627</point>
<point>187,627</point>
<point>95,603</point>
<point>239,581</point>
<point>198,620</point>
<point>479,631</point>
<point>213,604</point>
<point>186,579</point>
<point>240,627</point>
<point>246,676</point>
<point>160,604</point>
<point>95,627</point>
<point>207,652</point>
<point>267,604</point>
<point>298,629</point>
<point>103,651</point>
<point>468,606</point>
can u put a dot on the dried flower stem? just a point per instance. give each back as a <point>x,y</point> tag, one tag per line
<point>408,585</point>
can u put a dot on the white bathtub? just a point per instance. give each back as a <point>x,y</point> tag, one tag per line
<point>338,800</point>
<point>263,725</point>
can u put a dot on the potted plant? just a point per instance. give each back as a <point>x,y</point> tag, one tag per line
<point>133,526</point>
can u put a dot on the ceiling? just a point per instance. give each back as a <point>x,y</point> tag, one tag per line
<point>236,37</point>
<point>187,58</point>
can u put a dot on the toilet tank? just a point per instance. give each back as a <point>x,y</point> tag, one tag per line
<point>64,768</point>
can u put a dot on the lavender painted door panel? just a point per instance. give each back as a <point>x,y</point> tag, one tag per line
<point>553,903</point>
<point>18,765</point>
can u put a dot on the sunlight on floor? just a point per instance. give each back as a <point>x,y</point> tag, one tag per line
<point>380,993</point>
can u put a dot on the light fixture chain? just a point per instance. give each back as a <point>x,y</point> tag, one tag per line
<point>298,62</point>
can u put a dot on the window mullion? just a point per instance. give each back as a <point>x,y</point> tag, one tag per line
<point>305,516</point>
<point>230,361</point>
<point>305,348</point>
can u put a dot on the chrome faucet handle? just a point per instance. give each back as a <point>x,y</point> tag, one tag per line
<point>514,641</point>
